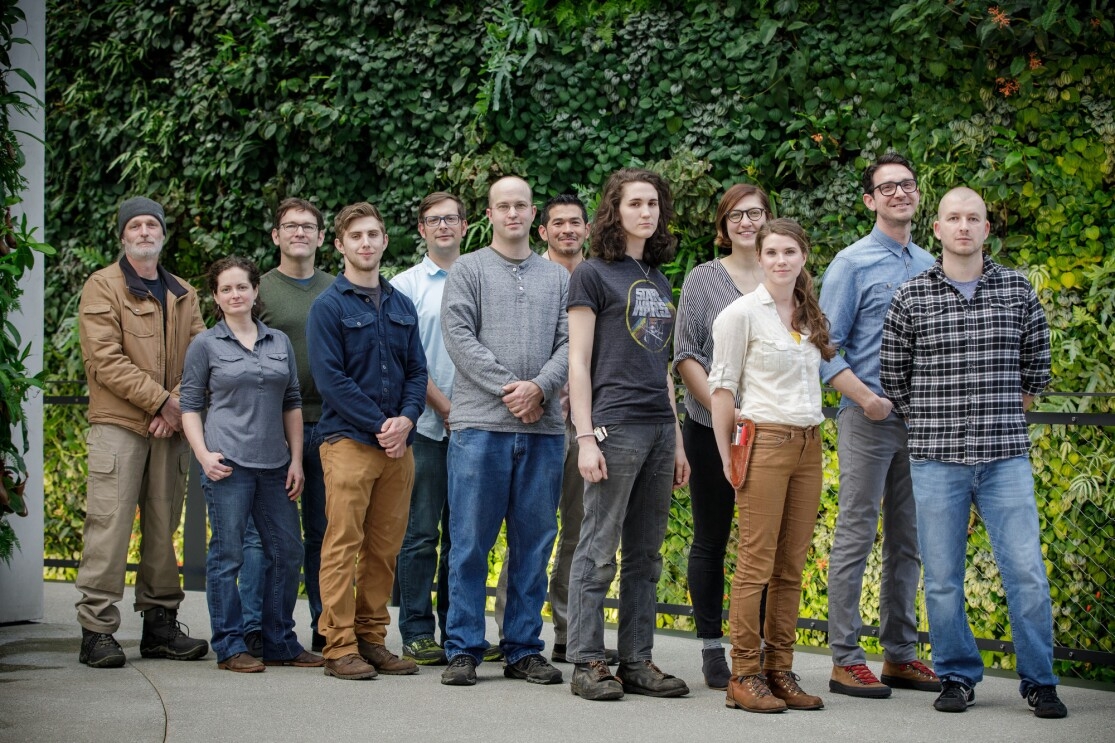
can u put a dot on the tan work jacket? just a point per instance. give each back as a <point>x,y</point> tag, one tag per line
<point>133,359</point>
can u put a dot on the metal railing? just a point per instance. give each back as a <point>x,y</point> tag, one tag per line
<point>1078,539</point>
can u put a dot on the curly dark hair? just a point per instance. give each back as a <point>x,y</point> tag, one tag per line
<point>609,241</point>
<point>219,266</point>
<point>807,315</point>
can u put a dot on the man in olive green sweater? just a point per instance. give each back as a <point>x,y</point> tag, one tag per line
<point>286,294</point>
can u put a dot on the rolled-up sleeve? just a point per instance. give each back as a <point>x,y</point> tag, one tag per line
<point>837,299</point>
<point>195,376</point>
<point>731,333</point>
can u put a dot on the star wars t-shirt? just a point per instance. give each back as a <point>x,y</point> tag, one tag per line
<point>631,347</point>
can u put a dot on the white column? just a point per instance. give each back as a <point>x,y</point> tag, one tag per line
<point>21,582</point>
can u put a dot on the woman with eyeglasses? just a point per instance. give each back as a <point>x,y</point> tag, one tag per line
<point>708,289</point>
<point>767,350</point>
<point>250,451</point>
<point>621,319</point>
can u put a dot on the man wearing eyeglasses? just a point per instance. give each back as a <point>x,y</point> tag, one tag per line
<point>856,291</point>
<point>504,321</point>
<point>442,225</point>
<point>286,293</point>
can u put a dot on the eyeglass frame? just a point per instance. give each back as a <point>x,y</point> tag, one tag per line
<point>292,228</point>
<point>897,185</point>
<point>435,221</point>
<point>739,214</point>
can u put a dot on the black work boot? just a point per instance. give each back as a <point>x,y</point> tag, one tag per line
<point>100,650</point>
<point>163,637</point>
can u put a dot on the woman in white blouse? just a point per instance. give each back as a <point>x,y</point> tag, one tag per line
<point>767,347</point>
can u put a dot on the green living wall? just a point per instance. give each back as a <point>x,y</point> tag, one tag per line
<point>220,109</point>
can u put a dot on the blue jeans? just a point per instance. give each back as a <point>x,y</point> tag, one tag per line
<point>313,530</point>
<point>259,495</point>
<point>493,477</point>
<point>418,559</point>
<point>1003,493</point>
<point>631,508</point>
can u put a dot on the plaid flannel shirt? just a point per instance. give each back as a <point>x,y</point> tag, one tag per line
<point>956,369</point>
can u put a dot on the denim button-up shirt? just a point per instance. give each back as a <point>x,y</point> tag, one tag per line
<point>368,363</point>
<point>856,291</point>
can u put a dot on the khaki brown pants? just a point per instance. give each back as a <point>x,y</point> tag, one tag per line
<point>127,471</point>
<point>367,503</point>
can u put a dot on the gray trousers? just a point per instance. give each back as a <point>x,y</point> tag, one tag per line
<point>874,476</point>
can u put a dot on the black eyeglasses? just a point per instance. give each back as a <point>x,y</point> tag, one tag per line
<point>451,220</point>
<point>887,189</point>
<point>753,214</point>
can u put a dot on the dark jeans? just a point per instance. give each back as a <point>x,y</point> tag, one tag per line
<point>313,530</point>
<point>419,559</point>
<point>629,512</point>
<point>260,495</point>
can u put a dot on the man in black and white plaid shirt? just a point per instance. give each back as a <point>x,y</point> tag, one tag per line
<point>965,351</point>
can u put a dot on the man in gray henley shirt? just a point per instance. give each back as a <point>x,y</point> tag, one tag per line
<point>504,321</point>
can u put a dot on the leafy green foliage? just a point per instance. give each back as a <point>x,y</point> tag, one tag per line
<point>221,109</point>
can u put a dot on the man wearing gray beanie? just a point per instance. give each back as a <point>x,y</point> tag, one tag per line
<point>135,322</point>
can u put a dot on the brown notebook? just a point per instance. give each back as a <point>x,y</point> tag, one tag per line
<point>741,451</point>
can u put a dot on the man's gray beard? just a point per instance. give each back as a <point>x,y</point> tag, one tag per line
<point>143,254</point>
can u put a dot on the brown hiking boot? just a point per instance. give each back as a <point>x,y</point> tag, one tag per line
<point>241,663</point>
<point>913,675</point>
<point>751,693</point>
<point>857,680</point>
<point>351,668</point>
<point>385,661</point>
<point>784,685</point>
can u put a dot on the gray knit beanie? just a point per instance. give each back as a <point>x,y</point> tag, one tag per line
<point>139,206</point>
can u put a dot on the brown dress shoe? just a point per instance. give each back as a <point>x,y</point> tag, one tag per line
<point>857,680</point>
<point>751,693</point>
<point>784,685</point>
<point>305,659</point>
<point>241,663</point>
<point>351,668</point>
<point>912,675</point>
<point>385,661</point>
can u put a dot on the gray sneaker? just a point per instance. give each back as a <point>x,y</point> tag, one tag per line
<point>461,671</point>
<point>533,668</point>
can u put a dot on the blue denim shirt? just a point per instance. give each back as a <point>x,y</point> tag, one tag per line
<point>856,291</point>
<point>367,363</point>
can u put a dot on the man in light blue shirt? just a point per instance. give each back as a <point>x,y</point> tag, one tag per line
<point>441,223</point>
<point>856,291</point>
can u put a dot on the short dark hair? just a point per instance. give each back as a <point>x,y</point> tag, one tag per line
<point>436,198</point>
<point>891,158</point>
<point>293,203</point>
<point>564,199</point>
<point>609,241</point>
<point>221,265</point>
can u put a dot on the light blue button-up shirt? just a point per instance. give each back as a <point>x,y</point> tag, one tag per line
<point>856,291</point>
<point>424,284</point>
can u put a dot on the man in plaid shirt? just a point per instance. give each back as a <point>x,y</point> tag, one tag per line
<point>965,351</point>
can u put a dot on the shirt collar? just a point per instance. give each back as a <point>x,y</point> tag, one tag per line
<point>432,269</point>
<point>221,329</point>
<point>887,241</point>
<point>345,286</point>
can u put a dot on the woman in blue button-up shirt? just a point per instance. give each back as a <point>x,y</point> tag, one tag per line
<point>250,450</point>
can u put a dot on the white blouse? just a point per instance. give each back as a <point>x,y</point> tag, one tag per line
<point>776,377</point>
